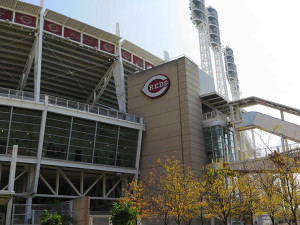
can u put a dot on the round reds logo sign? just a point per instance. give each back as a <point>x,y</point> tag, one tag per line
<point>156,86</point>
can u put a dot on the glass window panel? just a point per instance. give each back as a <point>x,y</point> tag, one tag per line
<point>82,140</point>
<point>56,137</point>
<point>25,127</point>
<point>106,144</point>
<point>127,147</point>
<point>4,125</point>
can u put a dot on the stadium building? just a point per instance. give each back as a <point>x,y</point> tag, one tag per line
<point>89,111</point>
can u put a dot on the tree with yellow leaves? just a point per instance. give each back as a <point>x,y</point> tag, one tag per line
<point>247,196</point>
<point>177,188</point>
<point>287,171</point>
<point>168,192</point>
<point>202,207</point>
<point>270,201</point>
<point>137,196</point>
<point>222,192</point>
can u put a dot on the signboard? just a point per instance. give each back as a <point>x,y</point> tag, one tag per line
<point>25,19</point>
<point>52,27</point>
<point>156,86</point>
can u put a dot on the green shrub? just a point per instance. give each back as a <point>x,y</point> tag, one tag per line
<point>50,218</point>
<point>122,214</point>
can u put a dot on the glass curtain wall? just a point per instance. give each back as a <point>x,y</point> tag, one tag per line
<point>219,144</point>
<point>67,138</point>
<point>19,127</point>
<point>87,141</point>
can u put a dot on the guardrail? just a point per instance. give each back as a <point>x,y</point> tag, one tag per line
<point>56,101</point>
<point>214,115</point>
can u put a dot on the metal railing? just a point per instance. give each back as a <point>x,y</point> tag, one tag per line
<point>265,152</point>
<point>31,214</point>
<point>61,102</point>
<point>214,115</point>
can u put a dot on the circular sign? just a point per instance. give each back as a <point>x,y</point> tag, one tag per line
<point>156,86</point>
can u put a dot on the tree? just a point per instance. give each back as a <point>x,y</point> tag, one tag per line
<point>270,201</point>
<point>247,196</point>
<point>138,197</point>
<point>287,171</point>
<point>202,207</point>
<point>222,191</point>
<point>50,218</point>
<point>175,191</point>
<point>123,214</point>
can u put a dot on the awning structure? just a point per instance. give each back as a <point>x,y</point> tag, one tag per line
<point>216,102</point>
<point>21,6</point>
<point>251,101</point>
<point>141,52</point>
<point>79,26</point>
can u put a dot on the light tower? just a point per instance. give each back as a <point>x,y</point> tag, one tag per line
<point>231,73</point>
<point>215,42</point>
<point>199,19</point>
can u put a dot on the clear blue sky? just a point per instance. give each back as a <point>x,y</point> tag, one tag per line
<point>264,36</point>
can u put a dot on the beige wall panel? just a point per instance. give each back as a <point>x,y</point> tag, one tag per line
<point>170,130</point>
<point>173,121</point>
<point>163,119</point>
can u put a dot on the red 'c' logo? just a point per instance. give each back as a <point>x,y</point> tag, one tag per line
<point>156,86</point>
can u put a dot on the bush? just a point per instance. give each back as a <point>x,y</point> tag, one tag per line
<point>50,218</point>
<point>122,214</point>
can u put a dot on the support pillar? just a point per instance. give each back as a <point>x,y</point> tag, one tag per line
<point>40,146</point>
<point>38,57</point>
<point>254,144</point>
<point>138,154</point>
<point>11,182</point>
<point>30,180</point>
<point>119,77</point>
<point>284,141</point>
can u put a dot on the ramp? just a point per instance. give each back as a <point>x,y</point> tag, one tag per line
<point>251,120</point>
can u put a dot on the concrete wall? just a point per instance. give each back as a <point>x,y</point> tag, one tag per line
<point>82,210</point>
<point>173,121</point>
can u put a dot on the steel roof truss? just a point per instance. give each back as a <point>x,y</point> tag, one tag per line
<point>27,67</point>
<point>101,85</point>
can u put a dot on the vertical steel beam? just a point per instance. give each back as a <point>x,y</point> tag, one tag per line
<point>95,139</point>
<point>254,144</point>
<point>57,182</point>
<point>284,139</point>
<point>38,58</point>
<point>116,155</point>
<point>40,145</point>
<point>81,182</point>
<point>9,128</point>
<point>30,180</point>
<point>138,153</point>
<point>70,136</point>
<point>119,77</point>
<point>11,182</point>
<point>104,186</point>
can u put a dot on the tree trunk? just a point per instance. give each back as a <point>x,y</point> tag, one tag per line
<point>273,220</point>
<point>295,217</point>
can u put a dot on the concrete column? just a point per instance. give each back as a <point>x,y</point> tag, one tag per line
<point>284,141</point>
<point>254,144</point>
<point>40,145</point>
<point>30,180</point>
<point>138,154</point>
<point>11,182</point>
<point>119,77</point>
<point>82,210</point>
<point>38,58</point>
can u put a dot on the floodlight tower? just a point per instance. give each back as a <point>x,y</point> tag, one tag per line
<point>199,19</point>
<point>215,42</point>
<point>231,73</point>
